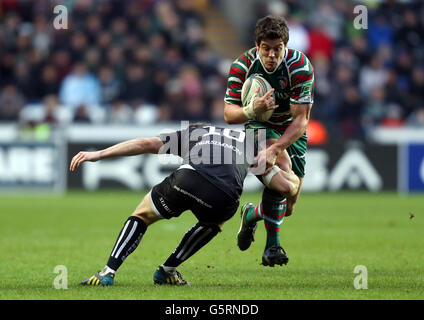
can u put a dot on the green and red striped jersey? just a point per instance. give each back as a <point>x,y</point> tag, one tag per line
<point>293,81</point>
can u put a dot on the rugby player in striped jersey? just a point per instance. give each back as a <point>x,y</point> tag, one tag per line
<point>291,76</point>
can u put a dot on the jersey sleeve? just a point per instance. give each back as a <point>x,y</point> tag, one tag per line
<point>302,79</point>
<point>237,76</point>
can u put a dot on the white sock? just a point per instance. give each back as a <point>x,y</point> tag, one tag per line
<point>169,269</point>
<point>106,270</point>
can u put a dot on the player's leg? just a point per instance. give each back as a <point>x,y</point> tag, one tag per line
<point>272,210</point>
<point>292,164</point>
<point>291,200</point>
<point>132,232</point>
<point>195,238</point>
<point>283,182</point>
<point>212,208</point>
<point>274,252</point>
<point>283,185</point>
<point>127,241</point>
<point>280,183</point>
<point>297,153</point>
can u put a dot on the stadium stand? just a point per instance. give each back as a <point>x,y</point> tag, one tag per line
<point>146,61</point>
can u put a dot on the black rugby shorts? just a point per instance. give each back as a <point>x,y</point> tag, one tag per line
<point>186,189</point>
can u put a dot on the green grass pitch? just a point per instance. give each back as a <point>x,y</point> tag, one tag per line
<point>326,238</point>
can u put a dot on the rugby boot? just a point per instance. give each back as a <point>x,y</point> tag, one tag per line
<point>246,233</point>
<point>274,255</point>
<point>98,280</point>
<point>162,277</point>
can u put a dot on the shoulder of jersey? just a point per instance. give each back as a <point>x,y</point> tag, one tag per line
<point>246,58</point>
<point>297,61</point>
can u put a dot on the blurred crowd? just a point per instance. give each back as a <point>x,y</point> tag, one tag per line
<point>132,61</point>
<point>147,61</point>
<point>366,76</point>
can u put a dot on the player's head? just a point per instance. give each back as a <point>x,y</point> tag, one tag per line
<point>271,37</point>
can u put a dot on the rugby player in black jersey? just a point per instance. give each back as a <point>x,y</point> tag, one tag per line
<point>209,183</point>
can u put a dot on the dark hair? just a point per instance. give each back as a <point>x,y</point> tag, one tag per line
<point>271,27</point>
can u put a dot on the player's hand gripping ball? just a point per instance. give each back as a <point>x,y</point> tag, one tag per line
<point>255,87</point>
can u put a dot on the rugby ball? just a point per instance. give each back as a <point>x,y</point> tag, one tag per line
<point>248,92</point>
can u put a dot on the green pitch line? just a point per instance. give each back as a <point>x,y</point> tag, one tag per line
<point>326,238</point>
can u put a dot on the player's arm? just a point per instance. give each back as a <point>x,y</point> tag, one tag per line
<point>127,148</point>
<point>234,111</point>
<point>233,114</point>
<point>236,114</point>
<point>301,114</point>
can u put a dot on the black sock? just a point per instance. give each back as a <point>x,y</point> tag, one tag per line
<point>128,240</point>
<point>194,239</point>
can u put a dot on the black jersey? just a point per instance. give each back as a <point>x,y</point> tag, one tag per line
<point>221,155</point>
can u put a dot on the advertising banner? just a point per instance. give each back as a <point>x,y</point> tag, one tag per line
<point>414,167</point>
<point>329,168</point>
<point>351,167</point>
<point>32,166</point>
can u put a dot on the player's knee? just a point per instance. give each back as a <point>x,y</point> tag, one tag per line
<point>295,185</point>
<point>145,212</point>
<point>293,182</point>
<point>147,217</point>
<point>292,188</point>
<point>288,188</point>
<point>284,183</point>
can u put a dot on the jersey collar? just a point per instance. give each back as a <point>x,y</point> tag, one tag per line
<point>278,65</point>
